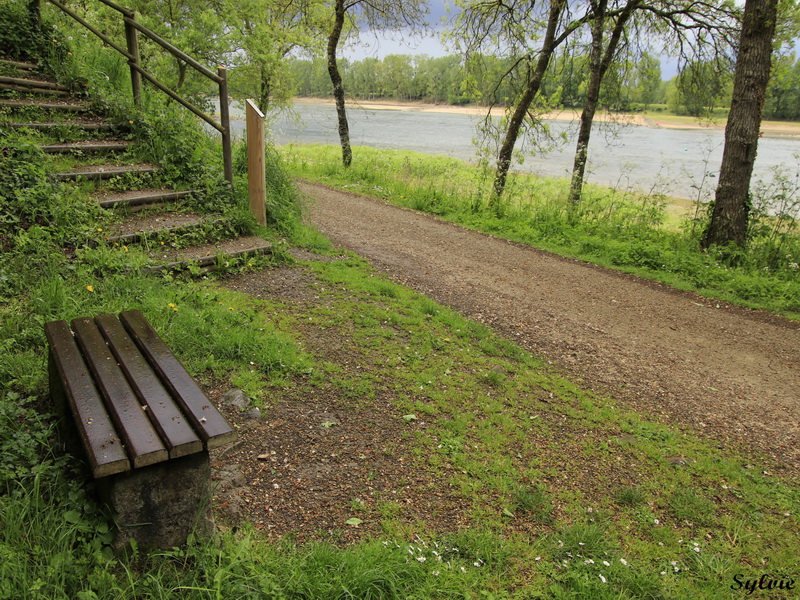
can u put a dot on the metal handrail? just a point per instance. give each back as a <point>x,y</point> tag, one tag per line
<point>137,72</point>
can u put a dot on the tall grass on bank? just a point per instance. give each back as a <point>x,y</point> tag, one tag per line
<point>615,228</point>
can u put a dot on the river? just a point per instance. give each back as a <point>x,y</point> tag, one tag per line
<point>671,160</point>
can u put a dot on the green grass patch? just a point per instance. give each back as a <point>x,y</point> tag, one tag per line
<point>565,494</point>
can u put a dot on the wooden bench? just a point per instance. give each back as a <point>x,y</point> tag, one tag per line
<point>143,423</point>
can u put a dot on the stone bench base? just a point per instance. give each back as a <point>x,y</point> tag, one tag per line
<point>160,505</point>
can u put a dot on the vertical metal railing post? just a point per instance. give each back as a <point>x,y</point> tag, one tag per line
<point>134,63</point>
<point>225,121</point>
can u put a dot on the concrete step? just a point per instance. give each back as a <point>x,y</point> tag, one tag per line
<point>51,105</point>
<point>101,172</point>
<point>139,228</point>
<point>210,256</point>
<point>18,64</point>
<point>94,146</point>
<point>84,125</point>
<point>34,85</point>
<point>142,198</point>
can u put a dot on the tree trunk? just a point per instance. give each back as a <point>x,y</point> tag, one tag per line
<point>336,80</point>
<point>729,217</point>
<point>589,104</point>
<point>599,63</point>
<point>265,89</point>
<point>181,74</point>
<point>532,88</point>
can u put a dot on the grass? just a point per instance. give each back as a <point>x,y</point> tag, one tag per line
<point>536,461</point>
<point>615,228</point>
<point>575,481</point>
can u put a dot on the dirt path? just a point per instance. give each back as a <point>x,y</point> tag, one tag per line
<point>731,373</point>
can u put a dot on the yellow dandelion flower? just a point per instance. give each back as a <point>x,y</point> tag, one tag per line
<point>90,288</point>
<point>99,229</point>
<point>171,305</point>
<point>175,309</point>
<point>125,248</point>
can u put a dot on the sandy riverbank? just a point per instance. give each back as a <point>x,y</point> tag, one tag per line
<point>769,128</point>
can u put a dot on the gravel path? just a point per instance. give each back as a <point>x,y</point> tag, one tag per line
<point>732,373</point>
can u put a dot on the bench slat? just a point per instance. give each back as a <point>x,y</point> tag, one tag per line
<point>176,433</point>
<point>140,438</point>
<point>212,427</point>
<point>103,448</point>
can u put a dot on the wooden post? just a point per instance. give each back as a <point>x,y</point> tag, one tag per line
<point>225,119</point>
<point>256,171</point>
<point>133,50</point>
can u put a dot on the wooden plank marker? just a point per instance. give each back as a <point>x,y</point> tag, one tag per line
<point>256,170</point>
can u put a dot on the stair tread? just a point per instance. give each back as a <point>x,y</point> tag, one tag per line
<point>114,168</point>
<point>66,105</point>
<point>87,146</point>
<point>33,83</point>
<point>136,198</point>
<point>139,194</point>
<point>208,252</point>
<point>79,123</point>
<point>139,225</point>
<point>34,91</point>
<point>20,64</point>
<point>103,171</point>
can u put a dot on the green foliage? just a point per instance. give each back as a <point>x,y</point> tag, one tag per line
<point>20,36</point>
<point>284,205</point>
<point>169,136</point>
<point>783,91</point>
<point>700,87</point>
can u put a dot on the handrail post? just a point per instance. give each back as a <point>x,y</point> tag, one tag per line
<point>256,175</point>
<point>227,155</point>
<point>134,63</point>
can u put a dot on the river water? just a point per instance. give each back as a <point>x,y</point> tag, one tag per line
<point>674,161</point>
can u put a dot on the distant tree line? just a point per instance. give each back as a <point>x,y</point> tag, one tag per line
<point>628,86</point>
<point>453,80</point>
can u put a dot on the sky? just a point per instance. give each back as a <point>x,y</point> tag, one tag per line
<point>381,44</point>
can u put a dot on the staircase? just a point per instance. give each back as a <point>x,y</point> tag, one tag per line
<point>87,151</point>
